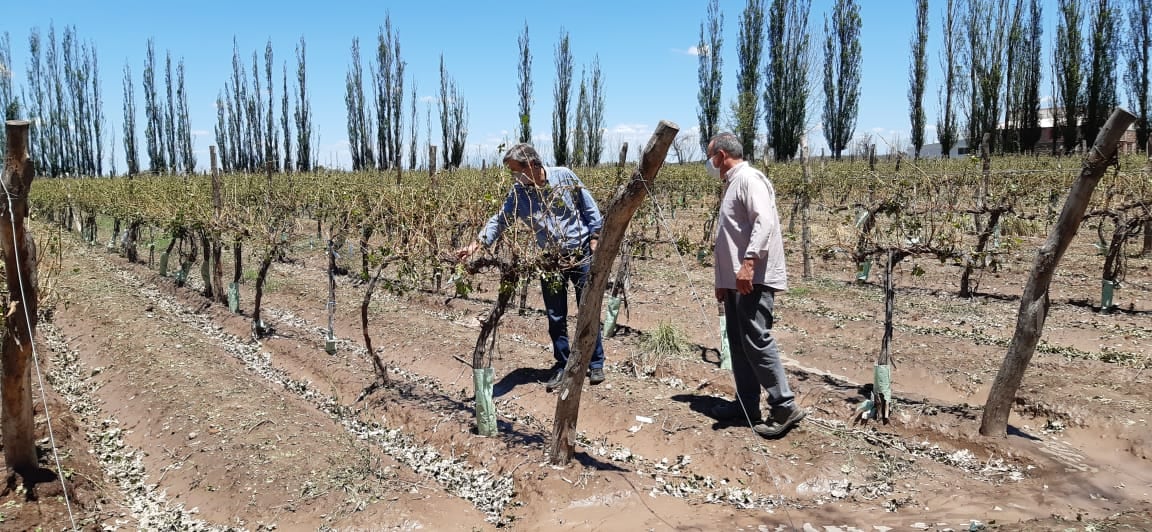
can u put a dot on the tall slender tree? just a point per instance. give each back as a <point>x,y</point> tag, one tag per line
<point>303,112</point>
<point>1138,55</point>
<point>595,122</point>
<point>524,86</point>
<point>787,82</point>
<point>986,31</point>
<point>153,114</point>
<point>131,155</point>
<point>710,73</point>
<point>412,128</point>
<point>170,136</point>
<point>187,157</point>
<point>579,133</point>
<point>750,48</point>
<point>453,119</point>
<point>841,74</point>
<point>1068,60</point>
<point>1102,58</point>
<point>951,90</point>
<point>7,101</point>
<point>1029,78</point>
<point>1010,132</point>
<point>562,94</point>
<point>918,77</point>
<point>359,146</point>
<point>285,121</point>
<point>271,144</point>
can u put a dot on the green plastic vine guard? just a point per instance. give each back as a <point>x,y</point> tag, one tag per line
<point>234,297</point>
<point>610,319</point>
<point>1106,289</point>
<point>482,380</point>
<point>163,264</point>
<point>725,351</point>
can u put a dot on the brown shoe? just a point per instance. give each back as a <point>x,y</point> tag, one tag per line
<point>776,429</point>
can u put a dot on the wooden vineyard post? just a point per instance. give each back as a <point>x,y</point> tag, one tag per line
<point>623,206</point>
<point>19,431</point>
<point>217,275</point>
<point>805,201</point>
<point>1034,302</point>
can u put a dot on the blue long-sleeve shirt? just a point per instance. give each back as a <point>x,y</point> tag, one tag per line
<point>562,213</point>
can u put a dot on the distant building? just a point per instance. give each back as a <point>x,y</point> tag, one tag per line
<point>1048,134</point>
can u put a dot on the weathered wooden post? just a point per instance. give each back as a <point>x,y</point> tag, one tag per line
<point>616,219</point>
<point>1034,302</point>
<point>20,312</point>
<point>432,164</point>
<point>217,274</point>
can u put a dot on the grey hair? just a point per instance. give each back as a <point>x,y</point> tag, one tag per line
<point>729,143</point>
<point>524,154</point>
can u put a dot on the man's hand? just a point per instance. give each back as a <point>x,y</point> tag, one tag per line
<point>721,294</point>
<point>592,244</point>
<point>467,251</point>
<point>744,276</point>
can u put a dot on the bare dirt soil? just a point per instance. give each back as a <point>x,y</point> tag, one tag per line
<point>166,415</point>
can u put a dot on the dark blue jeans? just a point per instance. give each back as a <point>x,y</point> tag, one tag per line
<point>554,286</point>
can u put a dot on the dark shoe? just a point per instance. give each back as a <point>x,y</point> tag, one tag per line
<point>732,411</point>
<point>776,429</point>
<point>554,382</point>
<point>595,376</point>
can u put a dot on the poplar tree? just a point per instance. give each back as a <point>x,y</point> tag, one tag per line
<point>303,112</point>
<point>986,23</point>
<point>841,74</point>
<point>1010,132</point>
<point>8,105</point>
<point>951,89</point>
<point>710,73</point>
<point>524,71</point>
<point>153,114</point>
<point>1028,78</point>
<point>787,85</point>
<point>131,157</point>
<point>285,123</point>
<point>1100,89</point>
<point>595,121</point>
<point>1068,57</point>
<point>453,119</point>
<point>271,144</point>
<point>579,135</point>
<point>169,114</point>
<point>561,93</point>
<point>750,47</point>
<point>358,144</point>
<point>918,77</point>
<point>1138,49</point>
<point>183,125</point>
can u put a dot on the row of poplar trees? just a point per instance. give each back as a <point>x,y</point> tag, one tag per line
<point>991,72</point>
<point>69,137</point>
<point>376,118</point>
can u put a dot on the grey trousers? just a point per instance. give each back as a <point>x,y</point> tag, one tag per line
<point>755,357</point>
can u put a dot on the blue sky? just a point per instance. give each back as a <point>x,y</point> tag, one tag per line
<point>645,49</point>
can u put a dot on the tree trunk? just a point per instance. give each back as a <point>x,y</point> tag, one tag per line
<point>19,430</point>
<point>258,327</point>
<point>981,245</point>
<point>623,207</point>
<point>1034,302</point>
<point>377,363</point>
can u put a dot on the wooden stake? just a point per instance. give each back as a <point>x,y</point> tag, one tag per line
<point>20,321</point>
<point>623,207</point>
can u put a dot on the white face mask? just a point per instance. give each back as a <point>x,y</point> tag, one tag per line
<point>713,171</point>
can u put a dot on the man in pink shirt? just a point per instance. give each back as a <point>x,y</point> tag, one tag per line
<point>749,272</point>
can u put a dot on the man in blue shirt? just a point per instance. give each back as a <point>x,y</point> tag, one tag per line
<point>553,202</point>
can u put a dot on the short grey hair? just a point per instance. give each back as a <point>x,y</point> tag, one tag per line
<point>524,154</point>
<point>729,143</point>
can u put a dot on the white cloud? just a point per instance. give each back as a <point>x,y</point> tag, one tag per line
<point>694,50</point>
<point>630,129</point>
